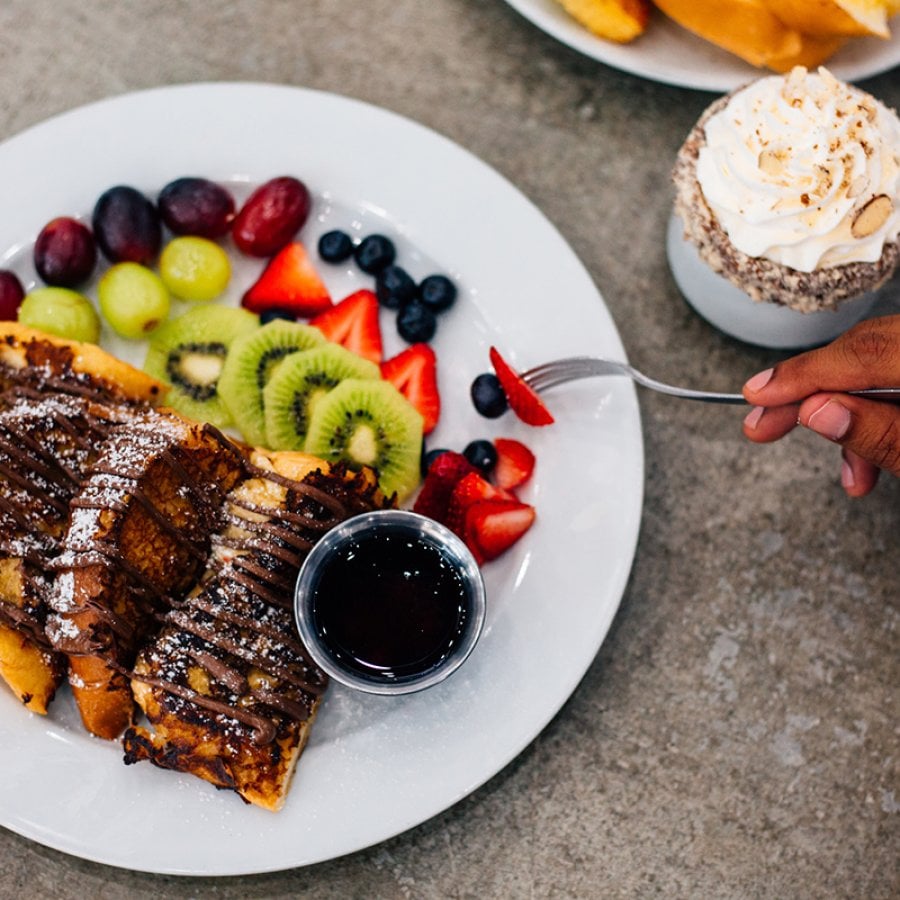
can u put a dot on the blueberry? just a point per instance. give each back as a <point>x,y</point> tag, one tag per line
<point>374,252</point>
<point>429,457</point>
<point>437,292</point>
<point>335,246</point>
<point>488,396</point>
<point>394,287</point>
<point>269,315</point>
<point>416,323</point>
<point>482,454</point>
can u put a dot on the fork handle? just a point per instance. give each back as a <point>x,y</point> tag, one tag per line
<point>886,394</point>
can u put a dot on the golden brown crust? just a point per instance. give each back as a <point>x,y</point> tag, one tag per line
<point>28,353</point>
<point>228,690</point>
<point>138,537</point>
<point>46,442</point>
<point>260,774</point>
<point>32,673</point>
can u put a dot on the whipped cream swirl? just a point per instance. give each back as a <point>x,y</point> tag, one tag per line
<point>804,170</point>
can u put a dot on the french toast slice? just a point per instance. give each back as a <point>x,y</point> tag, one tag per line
<point>138,537</point>
<point>56,365</point>
<point>227,687</point>
<point>46,443</point>
<point>59,399</point>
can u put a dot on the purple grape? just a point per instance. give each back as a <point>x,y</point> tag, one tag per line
<point>196,206</point>
<point>65,253</point>
<point>126,226</point>
<point>11,294</point>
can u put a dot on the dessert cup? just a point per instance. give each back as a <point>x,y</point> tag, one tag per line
<point>786,219</point>
<point>733,312</point>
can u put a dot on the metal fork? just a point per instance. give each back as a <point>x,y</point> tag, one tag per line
<point>550,374</point>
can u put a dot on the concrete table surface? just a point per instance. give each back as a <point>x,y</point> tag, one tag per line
<point>737,735</point>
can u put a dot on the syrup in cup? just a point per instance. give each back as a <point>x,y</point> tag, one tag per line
<point>390,602</point>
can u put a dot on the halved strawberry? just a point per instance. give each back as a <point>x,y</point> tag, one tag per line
<point>353,323</point>
<point>493,526</point>
<point>523,400</point>
<point>515,463</point>
<point>413,372</point>
<point>445,472</point>
<point>471,488</point>
<point>289,282</point>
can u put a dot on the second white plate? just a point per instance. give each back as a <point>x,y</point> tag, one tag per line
<point>668,53</point>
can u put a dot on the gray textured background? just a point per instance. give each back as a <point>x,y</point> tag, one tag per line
<point>737,734</point>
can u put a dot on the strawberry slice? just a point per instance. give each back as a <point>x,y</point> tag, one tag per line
<point>353,323</point>
<point>515,463</point>
<point>413,372</point>
<point>493,526</point>
<point>289,282</point>
<point>437,488</point>
<point>471,488</point>
<point>523,400</point>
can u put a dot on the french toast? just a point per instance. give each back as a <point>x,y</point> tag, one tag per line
<point>138,536</point>
<point>46,443</point>
<point>228,689</point>
<point>59,399</point>
<point>54,364</point>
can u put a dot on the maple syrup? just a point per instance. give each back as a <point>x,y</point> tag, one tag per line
<point>390,602</point>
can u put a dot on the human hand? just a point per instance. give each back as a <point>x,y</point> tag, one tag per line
<point>808,390</point>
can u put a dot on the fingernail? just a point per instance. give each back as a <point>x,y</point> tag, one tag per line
<point>759,380</point>
<point>847,479</point>
<point>831,420</point>
<point>751,420</point>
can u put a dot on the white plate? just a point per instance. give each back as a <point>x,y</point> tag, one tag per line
<point>668,53</point>
<point>374,766</point>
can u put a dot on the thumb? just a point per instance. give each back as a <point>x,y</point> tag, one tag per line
<point>868,428</point>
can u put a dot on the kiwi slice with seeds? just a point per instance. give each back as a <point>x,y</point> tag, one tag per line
<point>251,362</point>
<point>368,422</point>
<point>297,385</point>
<point>189,352</point>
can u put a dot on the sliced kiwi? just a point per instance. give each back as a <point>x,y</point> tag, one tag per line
<point>299,383</point>
<point>251,362</point>
<point>189,352</point>
<point>368,422</point>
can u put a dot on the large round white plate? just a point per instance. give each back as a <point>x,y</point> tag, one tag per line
<point>668,53</point>
<point>374,766</point>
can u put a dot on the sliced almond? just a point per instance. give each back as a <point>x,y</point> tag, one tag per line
<point>872,216</point>
<point>771,162</point>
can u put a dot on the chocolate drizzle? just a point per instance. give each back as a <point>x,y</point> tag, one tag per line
<point>158,465</point>
<point>46,443</point>
<point>237,626</point>
<point>72,458</point>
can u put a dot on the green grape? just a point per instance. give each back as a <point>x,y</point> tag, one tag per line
<point>133,299</point>
<point>194,268</point>
<point>62,312</point>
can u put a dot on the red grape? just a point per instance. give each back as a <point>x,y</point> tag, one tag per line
<point>271,216</point>
<point>65,253</point>
<point>11,294</point>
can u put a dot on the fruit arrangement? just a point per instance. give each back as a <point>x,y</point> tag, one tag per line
<point>474,494</point>
<point>776,34</point>
<point>288,366</point>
